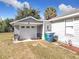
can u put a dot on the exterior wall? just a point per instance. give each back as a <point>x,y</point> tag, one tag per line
<point>39,28</point>
<point>59,29</point>
<point>67,30</point>
<point>44,29</point>
<point>76,33</point>
<point>45,26</point>
<point>76,28</point>
<point>27,33</point>
<point>39,31</point>
<point>16,31</point>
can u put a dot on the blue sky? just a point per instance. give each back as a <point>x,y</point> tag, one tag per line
<point>8,7</point>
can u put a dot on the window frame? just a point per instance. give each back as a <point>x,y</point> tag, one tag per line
<point>69,26</point>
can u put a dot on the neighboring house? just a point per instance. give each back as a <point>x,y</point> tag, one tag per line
<point>27,28</point>
<point>65,27</point>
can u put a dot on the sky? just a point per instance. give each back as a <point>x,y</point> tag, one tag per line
<point>8,8</point>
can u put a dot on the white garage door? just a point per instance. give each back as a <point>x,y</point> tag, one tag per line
<point>28,32</point>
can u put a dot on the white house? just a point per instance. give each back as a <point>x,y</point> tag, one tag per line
<point>65,27</point>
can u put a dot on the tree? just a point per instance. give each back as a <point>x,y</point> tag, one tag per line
<point>27,12</point>
<point>1,27</point>
<point>5,25</point>
<point>50,13</point>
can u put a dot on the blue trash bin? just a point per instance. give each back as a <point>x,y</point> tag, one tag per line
<point>49,37</point>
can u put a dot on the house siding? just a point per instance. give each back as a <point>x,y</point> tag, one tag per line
<point>62,29</point>
<point>28,33</point>
<point>59,30</point>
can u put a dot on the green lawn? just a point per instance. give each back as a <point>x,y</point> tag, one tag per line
<point>31,50</point>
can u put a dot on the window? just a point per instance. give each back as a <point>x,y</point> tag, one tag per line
<point>27,26</point>
<point>32,26</point>
<point>48,28</point>
<point>69,30</point>
<point>22,26</point>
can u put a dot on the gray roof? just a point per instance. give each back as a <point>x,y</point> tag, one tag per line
<point>28,19</point>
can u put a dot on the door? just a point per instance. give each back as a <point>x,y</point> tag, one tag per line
<point>28,32</point>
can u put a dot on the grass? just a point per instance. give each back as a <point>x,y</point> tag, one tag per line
<point>51,52</point>
<point>31,50</point>
<point>6,36</point>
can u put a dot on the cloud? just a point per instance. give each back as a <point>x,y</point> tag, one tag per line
<point>67,9</point>
<point>16,3</point>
